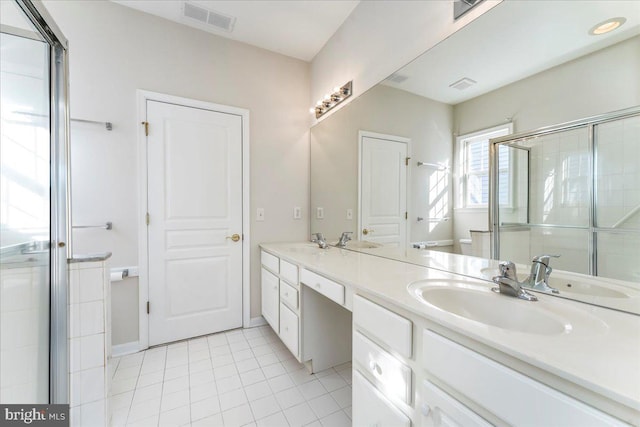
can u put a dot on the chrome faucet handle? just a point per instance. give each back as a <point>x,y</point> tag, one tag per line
<point>508,270</point>
<point>320,240</point>
<point>344,238</point>
<point>544,259</point>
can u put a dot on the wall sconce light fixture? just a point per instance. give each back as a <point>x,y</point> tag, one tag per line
<point>332,100</point>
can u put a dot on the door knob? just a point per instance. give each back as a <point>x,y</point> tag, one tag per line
<point>367,231</point>
<point>234,237</point>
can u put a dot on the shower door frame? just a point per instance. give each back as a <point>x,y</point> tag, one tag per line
<point>590,123</point>
<point>60,203</point>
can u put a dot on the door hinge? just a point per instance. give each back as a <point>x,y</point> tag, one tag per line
<point>148,306</point>
<point>146,128</point>
<point>147,218</point>
<point>406,161</point>
<point>406,215</point>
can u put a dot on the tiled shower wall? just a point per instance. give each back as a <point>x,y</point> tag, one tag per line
<point>559,194</point>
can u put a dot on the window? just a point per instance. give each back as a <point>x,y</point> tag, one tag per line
<point>474,150</point>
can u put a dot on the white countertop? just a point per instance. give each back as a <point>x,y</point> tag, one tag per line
<point>600,353</point>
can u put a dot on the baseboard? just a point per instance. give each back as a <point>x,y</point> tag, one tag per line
<point>257,321</point>
<point>124,349</point>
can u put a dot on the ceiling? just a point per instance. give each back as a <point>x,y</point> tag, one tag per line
<point>514,40</point>
<point>297,28</point>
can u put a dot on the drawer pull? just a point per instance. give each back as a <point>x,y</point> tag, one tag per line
<point>425,409</point>
<point>375,368</point>
<point>286,294</point>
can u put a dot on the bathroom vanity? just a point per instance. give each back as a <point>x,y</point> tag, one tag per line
<point>433,348</point>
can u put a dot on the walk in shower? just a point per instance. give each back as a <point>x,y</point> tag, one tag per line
<point>33,206</point>
<point>571,190</point>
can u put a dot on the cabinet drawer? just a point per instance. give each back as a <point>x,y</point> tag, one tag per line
<point>289,294</point>
<point>371,408</point>
<point>392,376</point>
<point>289,272</point>
<point>440,409</point>
<point>390,328</point>
<point>521,400</point>
<point>289,329</point>
<point>326,287</point>
<point>270,261</point>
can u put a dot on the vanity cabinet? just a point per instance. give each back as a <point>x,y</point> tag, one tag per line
<point>509,395</point>
<point>280,299</point>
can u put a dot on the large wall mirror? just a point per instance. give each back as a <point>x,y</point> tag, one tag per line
<point>407,163</point>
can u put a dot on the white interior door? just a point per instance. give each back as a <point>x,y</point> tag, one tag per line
<point>383,190</point>
<point>195,208</point>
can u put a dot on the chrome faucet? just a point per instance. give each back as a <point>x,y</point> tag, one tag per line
<point>540,271</point>
<point>320,240</point>
<point>346,236</point>
<point>508,283</point>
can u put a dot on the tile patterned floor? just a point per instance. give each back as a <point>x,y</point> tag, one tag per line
<point>235,378</point>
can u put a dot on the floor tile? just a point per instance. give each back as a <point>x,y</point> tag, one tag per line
<point>280,383</point>
<point>204,408</point>
<point>238,378</point>
<point>275,420</point>
<point>289,397</point>
<point>258,390</point>
<point>226,385</point>
<point>312,389</point>
<point>264,407</point>
<point>176,417</point>
<point>323,405</point>
<point>232,399</point>
<point>299,415</point>
<point>174,400</point>
<point>238,416</point>
<point>342,396</point>
<point>337,419</point>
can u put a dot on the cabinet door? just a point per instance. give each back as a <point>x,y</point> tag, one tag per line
<point>371,408</point>
<point>289,329</point>
<point>270,299</point>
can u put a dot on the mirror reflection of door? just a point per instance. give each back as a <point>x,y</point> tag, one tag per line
<point>382,190</point>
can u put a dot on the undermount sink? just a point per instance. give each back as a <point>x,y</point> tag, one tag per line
<point>572,285</point>
<point>479,304</point>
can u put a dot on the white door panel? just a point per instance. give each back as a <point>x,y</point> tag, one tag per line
<point>383,191</point>
<point>195,204</point>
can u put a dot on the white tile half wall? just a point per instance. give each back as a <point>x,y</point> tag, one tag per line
<point>89,342</point>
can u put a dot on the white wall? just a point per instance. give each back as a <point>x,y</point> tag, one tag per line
<point>604,81</point>
<point>115,50</point>
<point>380,37</point>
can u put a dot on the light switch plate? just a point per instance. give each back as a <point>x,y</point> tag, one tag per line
<point>260,214</point>
<point>349,213</point>
<point>297,212</point>
<point>319,213</point>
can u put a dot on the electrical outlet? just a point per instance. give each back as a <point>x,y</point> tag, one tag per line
<point>297,212</point>
<point>349,213</point>
<point>319,213</point>
<point>260,214</point>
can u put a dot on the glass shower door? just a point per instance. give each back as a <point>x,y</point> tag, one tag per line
<point>25,210</point>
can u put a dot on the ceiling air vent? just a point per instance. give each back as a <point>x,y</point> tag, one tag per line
<point>397,78</point>
<point>463,83</point>
<point>208,17</point>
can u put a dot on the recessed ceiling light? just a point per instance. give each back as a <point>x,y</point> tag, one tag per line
<point>606,26</point>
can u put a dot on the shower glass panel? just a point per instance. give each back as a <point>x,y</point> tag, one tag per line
<point>25,223</point>
<point>575,192</point>
<point>617,214</point>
